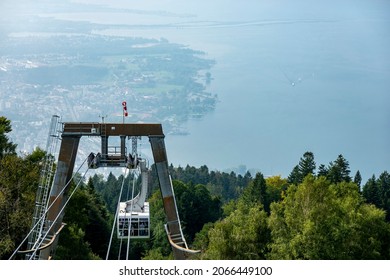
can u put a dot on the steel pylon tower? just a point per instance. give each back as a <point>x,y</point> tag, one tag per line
<point>44,187</point>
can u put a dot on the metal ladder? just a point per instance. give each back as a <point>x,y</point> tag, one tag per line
<point>45,183</point>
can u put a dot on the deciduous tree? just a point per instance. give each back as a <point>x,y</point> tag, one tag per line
<point>321,220</point>
<point>241,236</point>
<point>18,183</point>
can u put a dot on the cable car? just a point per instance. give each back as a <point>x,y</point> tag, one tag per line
<point>133,215</point>
<point>139,227</point>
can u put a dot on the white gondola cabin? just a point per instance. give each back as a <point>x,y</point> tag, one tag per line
<point>140,223</point>
<point>133,215</point>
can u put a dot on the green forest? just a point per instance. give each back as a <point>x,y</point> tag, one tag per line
<point>319,212</point>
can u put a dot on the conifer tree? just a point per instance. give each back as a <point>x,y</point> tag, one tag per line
<point>322,171</point>
<point>371,192</point>
<point>295,176</point>
<point>307,165</point>
<point>256,192</point>
<point>6,146</point>
<point>384,190</point>
<point>358,179</point>
<point>339,170</point>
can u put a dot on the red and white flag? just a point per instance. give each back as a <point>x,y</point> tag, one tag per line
<point>124,105</point>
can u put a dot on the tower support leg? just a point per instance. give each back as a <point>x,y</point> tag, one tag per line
<point>173,221</point>
<point>66,160</point>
